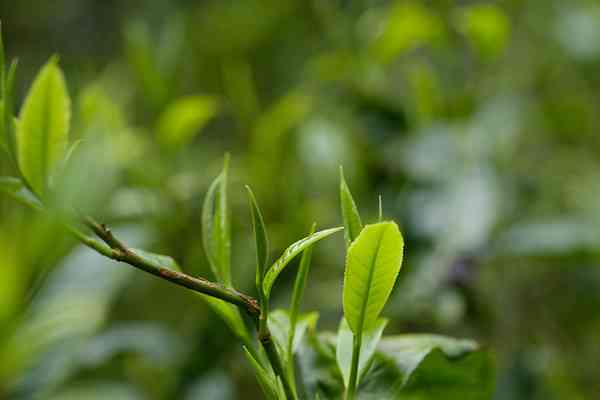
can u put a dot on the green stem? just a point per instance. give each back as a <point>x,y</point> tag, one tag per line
<point>297,295</point>
<point>276,363</point>
<point>356,345</point>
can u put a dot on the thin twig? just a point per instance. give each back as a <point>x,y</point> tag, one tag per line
<point>117,250</point>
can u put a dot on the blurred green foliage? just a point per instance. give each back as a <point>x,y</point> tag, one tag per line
<point>475,120</point>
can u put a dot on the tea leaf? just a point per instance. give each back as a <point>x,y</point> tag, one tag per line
<point>260,237</point>
<point>280,327</point>
<point>43,129</point>
<point>435,366</point>
<point>372,265</point>
<point>231,316</point>
<point>289,254</point>
<point>266,378</point>
<point>216,233</point>
<point>350,215</point>
<point>367,350</point>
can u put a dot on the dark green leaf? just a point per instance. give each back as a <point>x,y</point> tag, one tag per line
<point>433,367</point>
<point>438,376</point>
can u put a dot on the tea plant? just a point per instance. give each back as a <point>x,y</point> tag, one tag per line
<point>290,358</point>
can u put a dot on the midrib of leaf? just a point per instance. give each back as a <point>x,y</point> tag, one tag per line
<point>369,281</point>
<point>357,345</point>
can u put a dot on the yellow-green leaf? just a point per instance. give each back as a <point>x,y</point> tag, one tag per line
<point>343,350</point>
<point>289,254</point>
<point>42,136</point>
<point>372,265</point>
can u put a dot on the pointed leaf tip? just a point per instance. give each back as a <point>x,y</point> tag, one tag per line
<point>350,214</point>
<point>260,237</point>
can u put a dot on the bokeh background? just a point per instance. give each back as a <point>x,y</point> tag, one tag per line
<point>477,122</point>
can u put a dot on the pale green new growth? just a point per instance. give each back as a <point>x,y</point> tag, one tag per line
<point>344,346</point>
<point>42,136</point>
<point>289,254</point>
<point>350,215</point>
<point>372,265</point>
